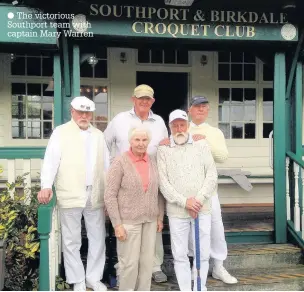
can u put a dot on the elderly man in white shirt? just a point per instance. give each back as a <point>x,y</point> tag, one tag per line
<point>188,178</point>
<point>75,161</point>
<point>116,136</point>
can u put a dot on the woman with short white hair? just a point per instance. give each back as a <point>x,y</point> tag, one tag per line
<point>136,210</point>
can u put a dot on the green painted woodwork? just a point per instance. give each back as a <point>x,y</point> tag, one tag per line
<point>295,236</point>
<point>57,92</point>
<point>26,26</point>
<point>298,109</point>
<point>44,228</point>
<point>22,152</point>
<point>279,148</point>
<point>76,71</point>
<point>250,237</point>
<point>294,157</point>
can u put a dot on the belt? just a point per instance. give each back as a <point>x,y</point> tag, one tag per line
<point>88,188</point>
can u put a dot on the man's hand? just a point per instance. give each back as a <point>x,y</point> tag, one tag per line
<point>44,196</point>
<point>165,142</point>
<point>193,214</point>
<point>120,232</point>
<point>193,205</point>
<point>198,137</point>
<point>160,225</point>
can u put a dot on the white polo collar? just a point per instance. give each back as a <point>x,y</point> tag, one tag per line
<point>150,116</point>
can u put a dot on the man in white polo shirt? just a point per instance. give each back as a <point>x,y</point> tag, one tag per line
<point>116,136</point>
<point>75,161</point>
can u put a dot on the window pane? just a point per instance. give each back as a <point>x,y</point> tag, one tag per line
<point>224,57</point>
<point>143,56</point>
<point>225,128</point>
<point>223,113</point>
<point>101,113</point>
<point>249,131</point>
<point>18,110</point>
<point>249,58</point>
<point>236,72</point>
<point>169,56</point>
<point>87,91</point>
<point>249,94</point>
<point>18,66</point>
<point>157,56</point>
<point>34,110</point>
<point>182,57</point>
<point>34,66</point>
<point>47,130</point>
<point>47,66</point>
<point>86,70</point>
<point>47,111</point>
<point>237,95</point>
<point>249,113</point>
<point>237,57</point>
<point>249,72</point>
<point>237,130</point>
<point>267,128</point>
<point>267,94</point>
<point>101,52</point>
<point>34,89</point>
<point>237,113</point>
<point>101,97</point>
<point>18,129</point>
<point>223,72</point>
<point>224,94</point>
<point>34,129</point>
<point>18,88</point>
<point>101,69</point>
<point>267,72</point>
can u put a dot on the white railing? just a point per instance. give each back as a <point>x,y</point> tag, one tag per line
<point>54,249</point>
<point>295,195</point>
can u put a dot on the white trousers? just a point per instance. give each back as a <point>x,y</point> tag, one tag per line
<point>218,242</point>
<point>71,243</point>
<point>180,228</point>
<point>159,253</point>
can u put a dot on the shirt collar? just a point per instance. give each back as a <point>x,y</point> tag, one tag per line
<point>135,158</point>
<point>172,143</point>
<point>150,116</point>
<point>195,125</point>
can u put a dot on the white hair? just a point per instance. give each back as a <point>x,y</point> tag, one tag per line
<point>139,129</point>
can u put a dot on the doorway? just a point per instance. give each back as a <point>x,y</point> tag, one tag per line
<point>170,91</point>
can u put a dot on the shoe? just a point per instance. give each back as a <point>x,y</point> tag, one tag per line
<point>159,277</point>
<point>220,273</point>
<point>97,286</point>
<point>80,286</point>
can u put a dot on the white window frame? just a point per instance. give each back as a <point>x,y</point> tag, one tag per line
<point>259,84</point>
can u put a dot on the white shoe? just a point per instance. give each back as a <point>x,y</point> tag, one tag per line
<point>97,286</point>
<point>220,273</point>
<point>80,286</point>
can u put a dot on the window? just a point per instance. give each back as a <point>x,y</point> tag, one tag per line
<point>236,66</point>
<point>32,111</point>
<point>159,56</point>
<point>99,94</point>
<point>95,65</point>
<point>31,65</point>
<point>267,111</point>
<point>237,112</point>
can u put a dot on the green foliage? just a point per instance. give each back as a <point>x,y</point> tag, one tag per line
<point>18,226</point>
<point>61,285</point>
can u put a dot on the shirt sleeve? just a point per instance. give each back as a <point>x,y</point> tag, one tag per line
<point>168,191</point>
<point>210,180</point>
<point>218,146</point>
<point>109,134</point>
<point>51,161</point>
<point>106,156</point>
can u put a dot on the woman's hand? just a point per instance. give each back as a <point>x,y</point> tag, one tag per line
<point>160,225</point>
<point>197,137</point>
<point>120,232</point>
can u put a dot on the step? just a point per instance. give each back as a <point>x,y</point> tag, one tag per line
<point>247,256</point>
<point>278,279</point>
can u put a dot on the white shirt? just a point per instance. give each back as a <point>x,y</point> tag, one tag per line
<point>53,155</point>
<point>116,134</point>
